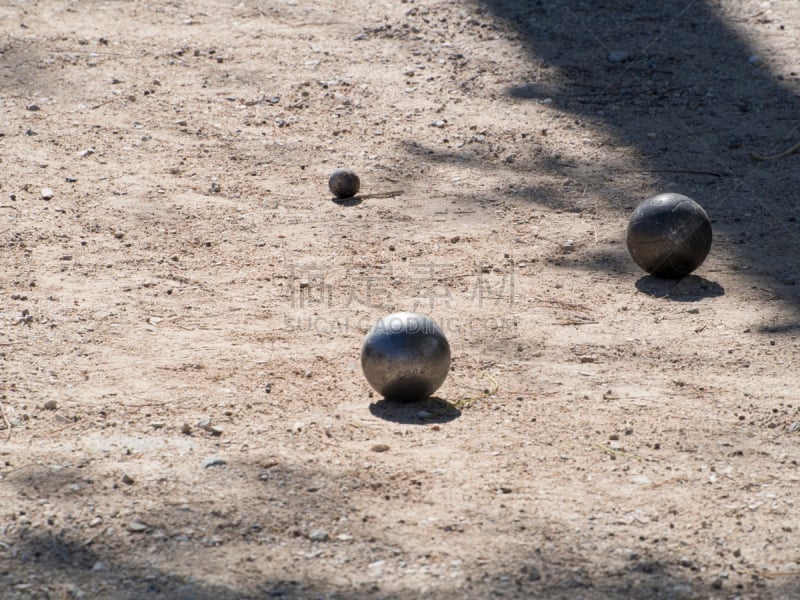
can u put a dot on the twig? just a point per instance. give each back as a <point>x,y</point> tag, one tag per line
<point>9,206</point>
<point>392,194</point>
<point>684,171</point>
<point>613,452</point>
<point>792,150</point>
<point>485,394</point>
<point>5,420</point>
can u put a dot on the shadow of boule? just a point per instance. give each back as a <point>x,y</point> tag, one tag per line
<point>431,410</point>
<point>691,288</point>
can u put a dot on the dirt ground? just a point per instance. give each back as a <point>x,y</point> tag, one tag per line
<point>182,303</point>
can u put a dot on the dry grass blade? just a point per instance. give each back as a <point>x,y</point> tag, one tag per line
<point>794,149</point>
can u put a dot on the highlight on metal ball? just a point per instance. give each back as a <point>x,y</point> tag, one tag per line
<point>405,356</point>
<point>669,235</point>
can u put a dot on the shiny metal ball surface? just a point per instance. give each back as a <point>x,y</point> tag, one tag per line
<point>344,183</point>
<point>405,356</point>
<point>669,235</point>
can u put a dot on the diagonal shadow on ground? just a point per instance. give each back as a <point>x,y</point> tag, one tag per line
<point>677,82</point>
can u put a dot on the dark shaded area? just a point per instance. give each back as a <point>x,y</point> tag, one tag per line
<point>688,289</point>
<point>125,565</point>
<point>430,411</point>
<point>354,201</point>
<point>674,81</point>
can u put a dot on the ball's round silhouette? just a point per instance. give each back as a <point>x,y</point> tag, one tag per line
<point>669,235</point>
<point>344,183</point>
<point>405,356</point>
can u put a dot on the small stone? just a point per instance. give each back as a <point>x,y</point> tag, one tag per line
<point>186,429</point>
<point>99,566</point>
<point>533,573</point>
<point>438,124</point>
<point>137,527</point>
<point>47,193</point>
<point>568,246</point>
<point>693,311</point>
<point>204,424</point>
<point>614,436</point>
<point>50,405</point>
<point>319,535</point>
<point>424,414</point>
<point>344,537</point>
<point>215,430</point>
<point>504,490</point>
<point>33,107</point>
<point>455,239</point>
<point>214,188</point>
<point>755,60</point>
<point>158,424</point>
<point>85,153</point>
<point>127,479</point>
<point>379,448</point>
<point>588,359</point>
<point>213,461</point>
<point>618,56</point>
<point>717,584</point>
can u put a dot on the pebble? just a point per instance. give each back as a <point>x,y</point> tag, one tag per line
<point>204,424</point>
<point>213,461</point>
<point>99,566</point>
<point>50,405</point>
<point>755,60</point>
<point>127,479</point>
<point>47,193</point>
<point>158,424</point>
<point>214,188</point>
<point>137,527</point>
<point>319,535</point>
<point>379,448</point>
<point>344,537</point>
<point>85,153</point>
<point>186,429</point>
<point>455,239</point>
<point>424,414</point>
<point>618,56</point>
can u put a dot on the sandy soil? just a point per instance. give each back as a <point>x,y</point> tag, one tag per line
<point>183,304</point>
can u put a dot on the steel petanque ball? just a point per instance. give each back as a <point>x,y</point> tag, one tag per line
<point>405,356</point>
<point>344,183</point>
<point>669,235</point>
